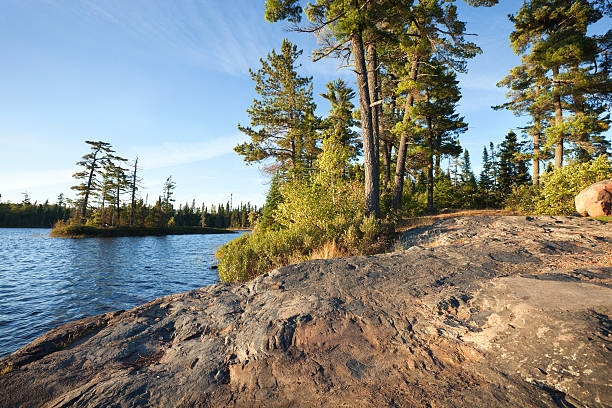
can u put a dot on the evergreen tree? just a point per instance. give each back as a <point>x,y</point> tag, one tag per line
<point>552,35</point>
<point>168,192</point>
<point>273,199</point>
<point>115,182</point>
<point>512,168</point>
<point>484,180</point>
<point>530,93</point>
<point>93,163</point>
<point>436,114</point>
<point>340,121</point>
<point>283,126</point>
<point>134,185</point>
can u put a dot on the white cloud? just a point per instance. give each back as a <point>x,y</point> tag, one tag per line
<point>26,180</point>
<point>221,36</point>
<point>172,154</point>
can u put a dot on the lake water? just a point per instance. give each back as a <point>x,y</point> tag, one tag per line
<point>45,282</point>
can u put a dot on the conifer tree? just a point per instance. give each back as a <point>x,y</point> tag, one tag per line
<point>283,125</point>
<point>340,121</point>
<point>93,163</point>
<point>552,35</point>
<point>512,168</point>
<point>168,192</point>
<point>436,113</point>
<point>114,182</point>
<point>342,27</point>
<point>134,185</point>
<point>485,181</point>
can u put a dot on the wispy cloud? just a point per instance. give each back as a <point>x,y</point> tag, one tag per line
<point>220,35</point>
<point>173,154</point>
<point>476,82</point>
<point>34,179</point>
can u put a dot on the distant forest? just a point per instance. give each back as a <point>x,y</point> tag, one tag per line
<point>46,215</point>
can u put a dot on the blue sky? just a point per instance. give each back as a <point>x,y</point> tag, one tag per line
<point>169,81</point>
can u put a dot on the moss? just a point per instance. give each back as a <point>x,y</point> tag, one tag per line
<point>603,218</point>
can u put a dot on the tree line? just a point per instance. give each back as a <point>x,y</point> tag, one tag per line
<point>108,196</point>
<point>27,214</point>
<point>405,55</point>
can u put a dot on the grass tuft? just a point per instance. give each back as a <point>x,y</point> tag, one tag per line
<point>7,369</point>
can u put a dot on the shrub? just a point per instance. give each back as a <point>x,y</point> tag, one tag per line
<point>306,216</point>
<point>558,187</point>
<point>309,221</point>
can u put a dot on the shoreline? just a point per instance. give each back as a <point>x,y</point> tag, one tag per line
<point>126,231</point>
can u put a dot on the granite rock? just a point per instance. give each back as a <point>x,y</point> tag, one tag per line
<point>483,311</point>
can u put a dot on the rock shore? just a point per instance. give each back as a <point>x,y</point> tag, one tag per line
<point>485,311</point>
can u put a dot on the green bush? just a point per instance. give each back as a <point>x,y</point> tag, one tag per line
<point>555,195</point>
<point>309,219</point>
<point>316,214</point>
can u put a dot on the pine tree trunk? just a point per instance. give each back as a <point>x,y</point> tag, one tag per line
<point>372,61</point>
<point>117,200</point>
<point>581,139</point>
<point>89,182</point>
<point>387,147</point>
<point>386,156</point>
<point>438,154</point>
<point>536,155</point>
<point>558,118</point>
<point>371,164</point>
<point>430,148</point>
<point>400,169</point>
<point>133,192</point>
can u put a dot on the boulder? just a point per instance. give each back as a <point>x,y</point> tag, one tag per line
<point>595,200</point>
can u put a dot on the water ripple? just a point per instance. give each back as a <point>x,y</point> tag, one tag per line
<point>46,282</point>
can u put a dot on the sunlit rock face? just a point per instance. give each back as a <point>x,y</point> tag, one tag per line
<point>483,311</point>
<point>595,200</point>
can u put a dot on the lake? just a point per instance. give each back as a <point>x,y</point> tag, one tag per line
<point>46,282</point>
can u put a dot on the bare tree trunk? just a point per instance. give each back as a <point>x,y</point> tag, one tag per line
<point>400,169</point>
<point>117,200</point>
<point>372,61</point>
<point>536,154</point>
<point>430,163</point>
<point>386,156</point>
<point>89,182</point>
<point>133,192</point>
<point>438,155</point>
<point>387,146</point>
<point>558,118</point>
<point>371,164</point>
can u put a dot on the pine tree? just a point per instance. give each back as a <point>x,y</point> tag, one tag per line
<point>168,192</point>
<point>485,181</point>
<point>552,35</point>
<point>283,125</point>
<point>436,114</point>
<point>134,185</point>
<point>93,163</point>
<point>273,199</point>
<point>512,168</point>
<point>340,121</point>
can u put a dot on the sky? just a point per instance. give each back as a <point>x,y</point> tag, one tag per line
<point>169,82</point>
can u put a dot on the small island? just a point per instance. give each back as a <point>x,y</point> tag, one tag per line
<point>85,231</point>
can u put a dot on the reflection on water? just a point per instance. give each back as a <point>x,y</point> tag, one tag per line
<point>45,282</point>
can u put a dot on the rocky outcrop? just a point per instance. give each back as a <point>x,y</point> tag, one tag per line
<point>595,200</point>
<point>472,311</point>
